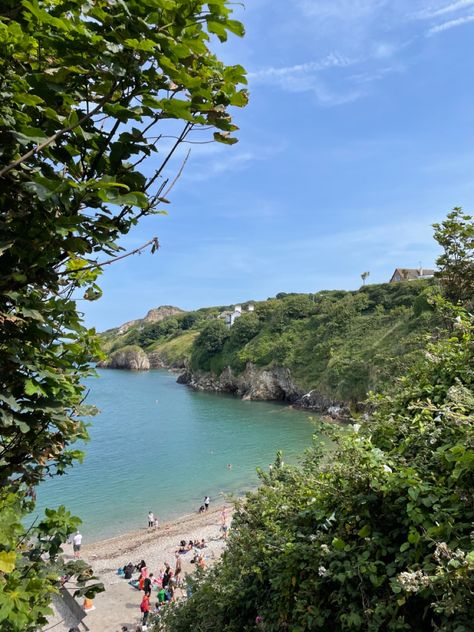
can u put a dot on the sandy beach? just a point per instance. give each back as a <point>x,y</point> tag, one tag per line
<point>119,605</point>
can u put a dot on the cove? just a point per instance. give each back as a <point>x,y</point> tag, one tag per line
<point>158,445</point>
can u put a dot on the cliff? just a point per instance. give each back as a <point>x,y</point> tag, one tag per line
<point>273,384</point>
<point>321,351</point>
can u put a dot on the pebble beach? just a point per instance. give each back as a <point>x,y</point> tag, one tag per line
<point>119,605</point>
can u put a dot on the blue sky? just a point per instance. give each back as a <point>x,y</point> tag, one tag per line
<point>358,136</point>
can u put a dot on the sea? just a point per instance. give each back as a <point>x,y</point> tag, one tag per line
<point>158,445</point>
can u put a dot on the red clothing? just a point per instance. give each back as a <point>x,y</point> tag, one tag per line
<point>145,604</point>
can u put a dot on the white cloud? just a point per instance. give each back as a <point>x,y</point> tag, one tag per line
<point>431,12</point>
<point>333,60</point>
<point>450,24</point>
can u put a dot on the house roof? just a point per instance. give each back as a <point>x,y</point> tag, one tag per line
<point>409,274</point>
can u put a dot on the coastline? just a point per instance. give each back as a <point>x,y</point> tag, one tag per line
<point>119,605</point>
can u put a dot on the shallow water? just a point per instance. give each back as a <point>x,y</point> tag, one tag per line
<point>159,445</point>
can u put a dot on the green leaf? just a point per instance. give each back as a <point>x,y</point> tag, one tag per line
<point>222,137</point>
<point>7,561</point>
<point>338,544</point>
<point>365,531</point>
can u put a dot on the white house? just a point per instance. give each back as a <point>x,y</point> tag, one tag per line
<point>230,317</point>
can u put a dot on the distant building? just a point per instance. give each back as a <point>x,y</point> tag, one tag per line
<point>230,317</point>
<point>411,274</point>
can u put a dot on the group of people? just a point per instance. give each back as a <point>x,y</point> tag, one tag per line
<point>166,581</point>
<point>205,505</point>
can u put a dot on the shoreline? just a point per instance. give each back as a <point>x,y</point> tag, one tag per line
<point>119,605</point>
<point>132,540</point>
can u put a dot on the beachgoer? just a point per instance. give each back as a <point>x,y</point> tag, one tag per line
<point>202,509</point>
<point>224,515</point>
<point>145,607</point>
<point>141,565</point>
<point>76,544</point>
<point>224,529</point>
<point>151,519</point>
<point>229,466</point>
<point>190,545</point>
<point>201,563</point>
<point>147,584</point>
<point>177,568</point>
<point>170,590</point>
<point>128,570</point>
<point>162,596</point>
<point>166,575</point>
<point>203,544</point>
<point>207,500</point>
<point>155,524</point>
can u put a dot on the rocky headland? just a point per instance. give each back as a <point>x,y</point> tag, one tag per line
<point>269,384</point>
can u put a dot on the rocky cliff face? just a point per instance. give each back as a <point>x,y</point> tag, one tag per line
<point>132,358</point>
<point>264,384</point>
<point>153,316</point>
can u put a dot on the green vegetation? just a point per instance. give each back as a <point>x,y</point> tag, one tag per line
<point>175,352</point>
<point>456,263</point>
<point>341,343</point>
<point>87,88</point>
<point>379,538</point>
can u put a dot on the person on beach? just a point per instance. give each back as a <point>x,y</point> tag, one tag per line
<point>202,509</point>
<point>166,575</point>
<point>128,570</point>
<point>177,568</point>
<point>162,596</point>
<point>145,608</point>
<point>76,544</point>
<point>207,500</point>
<point>147,584</point>
<point>151,519</point>
<point>141,565</point>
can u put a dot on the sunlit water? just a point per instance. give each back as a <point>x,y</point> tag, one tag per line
<point>159,445</point>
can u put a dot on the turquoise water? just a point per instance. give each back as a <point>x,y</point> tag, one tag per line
<point>159,445</point>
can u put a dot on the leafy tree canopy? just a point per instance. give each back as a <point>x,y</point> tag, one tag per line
<point>89,89</point>
<point>456,264</point>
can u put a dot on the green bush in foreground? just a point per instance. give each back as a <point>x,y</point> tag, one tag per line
<point>379,537</point>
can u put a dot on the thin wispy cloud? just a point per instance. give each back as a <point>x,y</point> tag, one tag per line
<point>332,60</point>
<point>451,24</point>
<point>431,12</point>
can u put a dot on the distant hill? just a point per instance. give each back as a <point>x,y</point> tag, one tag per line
<point>330,347</point>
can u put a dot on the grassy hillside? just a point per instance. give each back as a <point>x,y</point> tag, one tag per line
<point>340,343</point>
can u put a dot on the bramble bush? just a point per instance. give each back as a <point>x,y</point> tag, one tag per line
<point>377,535</point>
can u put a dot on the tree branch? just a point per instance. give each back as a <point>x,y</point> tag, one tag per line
<point>152,242</point>
<point>55,137</point>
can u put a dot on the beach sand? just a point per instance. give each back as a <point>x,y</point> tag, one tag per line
<point>119,605</point>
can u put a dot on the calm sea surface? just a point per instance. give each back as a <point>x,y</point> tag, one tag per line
<point>159,445</point>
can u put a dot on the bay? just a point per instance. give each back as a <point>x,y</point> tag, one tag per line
<point>160,446</point>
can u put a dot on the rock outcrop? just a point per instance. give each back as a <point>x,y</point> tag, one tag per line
<point>154,315</point>
<point>274,384</point>
<point>132,358</point>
